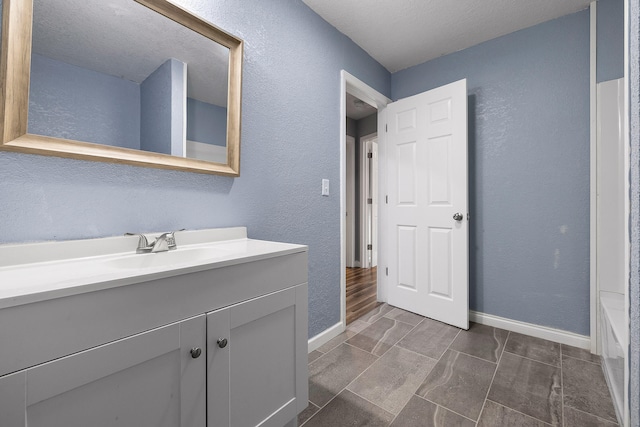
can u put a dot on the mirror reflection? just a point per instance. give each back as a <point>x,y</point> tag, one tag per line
<point>117,73</point>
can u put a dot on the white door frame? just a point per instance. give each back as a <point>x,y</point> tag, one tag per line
<point>363,197</point>
<point>356,87</point>
<point>350,206</point>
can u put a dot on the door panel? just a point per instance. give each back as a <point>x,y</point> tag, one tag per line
<point>427,173</point>
<point>407,173</point>
<point>407,242</point>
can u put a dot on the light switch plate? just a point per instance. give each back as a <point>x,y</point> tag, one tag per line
<point>325,187</point>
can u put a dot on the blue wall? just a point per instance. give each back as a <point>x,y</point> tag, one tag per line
<point>289,144</point>
<point>70,102</point>
<point>206,122</point>
<point>610,40</point>
<point>162,107</point>
<point>529,169</point>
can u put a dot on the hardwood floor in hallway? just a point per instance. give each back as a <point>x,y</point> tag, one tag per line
<point>361,292</point>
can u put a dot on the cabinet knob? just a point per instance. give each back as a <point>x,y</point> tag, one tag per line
<point>222,342</point>
<point>195,352</point>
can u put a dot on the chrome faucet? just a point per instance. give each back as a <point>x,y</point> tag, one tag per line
<point>164,242</point>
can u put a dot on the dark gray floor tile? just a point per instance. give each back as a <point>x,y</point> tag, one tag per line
<point>380,336</point>
<point>356,326</point>
<point>578,353</point>
<point>336,341</point>
<point>347,409</point>
<point>534,348</point>
<point>586,389</point>
<point>393,379</point>
<point>494,415</point>
<point>481,341</point>
<point>351,330</point>
<point>404,316</point>
<point>459,382</point>
<point>332,372</point>
<point>376,313</point>
<point>575,418</point>
<point>421,413</point>
<point>307,413</point>
<point>430,338</point>
<point>530,387</point>
<point>314,355</point>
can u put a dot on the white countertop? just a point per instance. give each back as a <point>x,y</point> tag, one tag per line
<point>28,277</point>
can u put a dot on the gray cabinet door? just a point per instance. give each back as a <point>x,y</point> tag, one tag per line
<point>257,378</point>
<point>149,379</point>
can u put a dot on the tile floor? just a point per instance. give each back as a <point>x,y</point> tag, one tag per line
<point>395,368</point>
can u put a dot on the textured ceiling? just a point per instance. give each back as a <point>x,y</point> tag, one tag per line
<point>403,33</point>
<point>124,39</point>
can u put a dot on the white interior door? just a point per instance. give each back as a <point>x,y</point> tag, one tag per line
<point>428,204</point>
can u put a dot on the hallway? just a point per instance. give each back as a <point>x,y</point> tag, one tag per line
<point>361,292</point>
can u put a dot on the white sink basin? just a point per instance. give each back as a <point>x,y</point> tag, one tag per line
<point>166,259</point>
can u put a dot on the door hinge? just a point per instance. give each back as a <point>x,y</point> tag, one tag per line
<point>386,271</point>
<point>370,155</point>
<point>369,201</point>
<point>369,247</point>
<point>386,128</point>
<point>468,217</point>
<point>386,199</point>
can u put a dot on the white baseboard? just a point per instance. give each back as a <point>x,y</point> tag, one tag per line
<point>551,334</point>
<point>325,336</point>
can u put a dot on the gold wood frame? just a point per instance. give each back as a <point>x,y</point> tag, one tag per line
<point>15,66</point>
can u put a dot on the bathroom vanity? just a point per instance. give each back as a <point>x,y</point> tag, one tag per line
<point>211,334</point>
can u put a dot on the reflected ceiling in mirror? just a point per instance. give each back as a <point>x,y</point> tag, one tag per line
<point>129,76</point>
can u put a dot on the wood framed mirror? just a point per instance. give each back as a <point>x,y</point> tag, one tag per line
<point>173,106</point>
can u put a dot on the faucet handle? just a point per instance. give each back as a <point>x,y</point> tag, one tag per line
<point>143,243</point>
<point>170,238</point>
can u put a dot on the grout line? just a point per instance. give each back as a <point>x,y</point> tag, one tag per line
<point>486,396</point>
<point>534,360</point>
<point>582,360</point>
<point>386,334</point>
<point>445,408</point>
<point>474,356</point>
<point>314,414</point>
<point>595,416</point>
<point>415,352</point>
<point>374,362</point>
<point>521,413</point>
<point>368,352</point>
<point>374,404</point>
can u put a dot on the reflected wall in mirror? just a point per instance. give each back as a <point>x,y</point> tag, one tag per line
<point>141,82</point>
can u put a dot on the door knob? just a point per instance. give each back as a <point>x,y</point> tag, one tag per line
<point>458,216</point>
<point>195,352</point>
<point>222,342</point>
